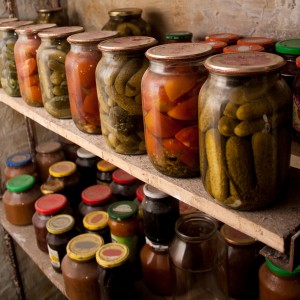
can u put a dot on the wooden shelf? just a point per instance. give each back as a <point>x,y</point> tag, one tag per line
<point>273,226</point>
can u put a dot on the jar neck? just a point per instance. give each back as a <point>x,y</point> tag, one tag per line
<point>88,47</point>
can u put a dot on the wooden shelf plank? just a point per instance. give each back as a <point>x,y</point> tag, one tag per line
<point>273,226</point>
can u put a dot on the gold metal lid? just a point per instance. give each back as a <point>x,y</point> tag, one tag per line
<point>95,220</point>
<point>34,28</point>
<point>60,224</point>
<point>52,186</point>
<point>122,12</point>
<point>112,255</point>
<point>92,36</point>
<point>235,237</point>
<point>48,9</point>
<point>105,166</point>
<point>60,32</point>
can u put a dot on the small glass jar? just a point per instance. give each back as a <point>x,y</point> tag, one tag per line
<point>228,38</point>
<point>278,284</point>
<point>245,111</point>
<point>81,63</point>
<point>124,185</point>
<point>19,198</point>
<point>170,89</point>
<point>97,222</point>
<point>118,79</point>
<point>115,276</point>
<point>160,213</point>
<point>105,170</point>
<point>60,231</point>
<point>46,207</point>
<point>266,42</point>
<point>25,56</point>
<point>51,56</point>
<point>243,48</point>
<point>179,37</point>
<point>198,259</point>
<point>296,103</point>
<point>128,22</point>
<point>9,77</point>
<point>47,154</point>
<point>217,46</point>
<point>79,267</point>
<point>156,268</point>
<point>55,15</point>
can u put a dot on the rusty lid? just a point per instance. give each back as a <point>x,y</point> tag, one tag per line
<point>228,38</point>
<point>48,9</point>
<point>235,237</point>
<point>34,28</point>
<point>60,32</point>
<point>122,12</point>
<point>14,25</point>
<point>91,36</point>
<point>243,48</point>
<point>256,40</point>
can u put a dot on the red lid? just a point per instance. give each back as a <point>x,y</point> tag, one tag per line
<point>243,48</point>
<point>50,204</point>
<point>298,61</point>
<point>120,176</point>
<point>228,38</point>
<point>140,192</point>
<point>256,40</point>
<point>96,194</point>
<point>216,45</point>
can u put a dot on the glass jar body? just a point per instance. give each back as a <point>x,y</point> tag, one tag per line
<point>56,16</point>
<point>124,191</point>
<point>244,151</point>
<point>29,168</point>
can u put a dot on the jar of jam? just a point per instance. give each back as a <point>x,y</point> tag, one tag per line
<point>46,207</point>
<point>160,213</point>
<point>170,89</point>
<point>19,198</point>
<point>97,222</point>
<point>81,62</point>
<point>105,170</point>
<point>118,75</point>
<point>296,103</point>
<point>266,42</point>
<point>124,185</point>
<point>217,46</point>
<point>243,264</point>
<point>198,259</point>
<point>25,56</point>
<point>61,229</point>
<point>156,268</point>
<point>245,111</point>
<point>278,284</point>
<point>243,48</point>
<point>115,275</point>
<point>179,37</point>
<point>51,15</point>
<point>19,163</point>
<point>9,77</point>
<point>228,38</point>
<point>79,267</point>
<point>47,154</point>
<point>128,22</point>
<point>51,56</point>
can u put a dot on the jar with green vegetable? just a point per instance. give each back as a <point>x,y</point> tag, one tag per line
<point>55,15</point>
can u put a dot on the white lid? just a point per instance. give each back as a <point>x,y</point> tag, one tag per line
<point>81,152</point>
<point>152,192</point>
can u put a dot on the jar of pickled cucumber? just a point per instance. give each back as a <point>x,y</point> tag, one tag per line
<point>51,15</point>
<point>51,58</point>
<point>9,78</point>
<point>245,117</point>
<point>81,64</point>
<point>170,89</point>
<point>118,79</point>
<point>25,55</point>
<point>128,22</point>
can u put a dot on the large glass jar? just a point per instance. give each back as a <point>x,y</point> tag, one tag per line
<point>25,56</point>
<point>81,63</point>
<point>118,76</point>
<point>170,89</point>
<point>198,259</point>
<point>245,115</point>
<point>128,22</point>
<point>55,15</point>
<point>51,56</point>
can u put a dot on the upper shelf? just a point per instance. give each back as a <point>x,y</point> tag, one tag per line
<point>273,226</point>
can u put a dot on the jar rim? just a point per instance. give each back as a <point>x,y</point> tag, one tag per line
<point>34,28</point>
<point>60,32</point>
<point>112,255</point>
<point>92,36</point>
<point>122,12</point>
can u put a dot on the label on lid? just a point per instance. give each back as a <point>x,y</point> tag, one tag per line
<point>112,255</point>
<point>96,194</point>
<point>122,210</point>
<point>122,177</point>
<point>60,224</point>
<point>62,168</point>
<point>95,220</point>
<point>50,204</point>
<point>83,153</point>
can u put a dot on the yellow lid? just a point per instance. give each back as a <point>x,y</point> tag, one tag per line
<point>112,255</point>
<point>62,168</point>
<point>95,220</point>
<point>84,246</point>
<point>51,187</point>
<point>105,166</point>
<point>60,224</point>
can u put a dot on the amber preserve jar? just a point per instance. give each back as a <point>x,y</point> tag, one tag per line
<point>51,15</point>
<point>128,22</point>
<point>245,117</point>
<point>170,89</point>
<point>81,64</point>
<point>51,56</point>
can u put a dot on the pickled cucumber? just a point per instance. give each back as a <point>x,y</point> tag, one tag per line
<point>231,109</point>
<point>226,125</point>
<point>209,117</point>
<point>128,29</point>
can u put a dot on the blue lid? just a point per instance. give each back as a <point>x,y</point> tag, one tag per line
<point>18,159</point>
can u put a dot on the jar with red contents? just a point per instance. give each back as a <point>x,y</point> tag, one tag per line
<point>170,89</point>
<point>105,170</point>
<point>243,48</point>
<point>81,62</point>
<point>266,42</point>
<point>228,38</point>
<point>179,37</point>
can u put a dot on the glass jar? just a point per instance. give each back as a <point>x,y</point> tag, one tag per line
<point>52,187</point>
<point>179,37</point>
<point>25,56</point>
<point>9,77</point>
<point>245,111</point>
<point>243,48</point>
<point>47,154</point>
<point>79,267</point>
<point>128,22</point>
<point>19,198</point>
<point>228,38</point>
<point>105,170</point>
<point>266,42</point>
<point>51,15</point>
<point>81,62</point>
<point>118,80</point>
<point>160,213</point>
<point>243,264</point>
<point>97,222</point>
<point>170,89</point>
<point>51,56</point>
<point>115,276</point>
<point>217,46</point>
<point>46,207</point>
<point>60,231</point>
<point>296,103</point>
<point>278,284</point>
<point>70,150</point>
<point>198,259</point>
<point>139,193</point>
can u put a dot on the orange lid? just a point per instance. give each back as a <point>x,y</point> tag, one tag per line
<point>256,40</point>
<point>216,45</point>
<point>243,48</point>
<point>229,38</point>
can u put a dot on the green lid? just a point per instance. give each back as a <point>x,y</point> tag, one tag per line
<point>282,272</point>
<point>288,47</point>
<point>20,183</point>
<point>122,210</point>
<point>179,35</point>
